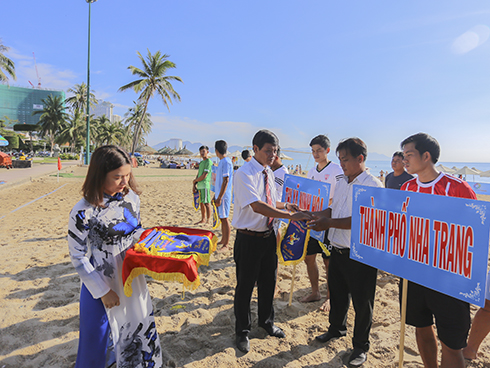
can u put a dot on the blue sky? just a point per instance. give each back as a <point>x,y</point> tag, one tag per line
<point>379,70</point>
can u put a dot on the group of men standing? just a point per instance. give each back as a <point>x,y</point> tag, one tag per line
<point>257,202</point>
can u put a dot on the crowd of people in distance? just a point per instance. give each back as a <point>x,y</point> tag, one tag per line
<point>106,222</point>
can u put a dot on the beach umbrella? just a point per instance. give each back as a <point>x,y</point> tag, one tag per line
<point>3,141</point>
<point>183,152</point>
<point>237,153</point>
<point>282,156</point>
<point>146,149</point>
<point>164,150</point>
<point>445,169</point>
<point>137,154</point>
<point>478,171</point>
<point>485,174</point>
<point>466,171</point>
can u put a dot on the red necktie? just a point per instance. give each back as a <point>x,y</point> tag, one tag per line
<point>268,198</point>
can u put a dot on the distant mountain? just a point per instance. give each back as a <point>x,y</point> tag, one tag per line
<point>194,147</point>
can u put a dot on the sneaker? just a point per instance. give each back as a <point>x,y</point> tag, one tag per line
<point>358,357</point>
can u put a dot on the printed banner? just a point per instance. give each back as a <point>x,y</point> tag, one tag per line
<point>291,249</point>
<point>308,194</point>
<point>435,241</point>
<point>197,198</point>
<point>480,188</point>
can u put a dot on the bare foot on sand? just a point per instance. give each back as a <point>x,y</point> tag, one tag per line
<point>325,306</point>
<point>311,298</point>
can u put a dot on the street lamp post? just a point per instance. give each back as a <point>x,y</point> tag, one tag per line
<point>87,152</point>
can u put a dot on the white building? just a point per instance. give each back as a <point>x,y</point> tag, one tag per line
<point>175,143</point>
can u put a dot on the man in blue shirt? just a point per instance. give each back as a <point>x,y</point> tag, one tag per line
<point>222,196</point>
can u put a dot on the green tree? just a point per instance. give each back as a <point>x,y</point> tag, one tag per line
<point>134,118</point>
<point>7,66</point>
<point>152,79</point>
<point>53,117</point>
<point>73,131</point>
<point>78,102</point>
<point>112,134</point>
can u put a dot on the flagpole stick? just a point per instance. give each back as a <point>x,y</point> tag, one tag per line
<point>402,322</point>
<point>292,286</point>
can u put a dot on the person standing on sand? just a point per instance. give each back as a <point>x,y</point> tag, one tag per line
<point>202,183</point>
<point>452,316</point>
<point>254,251</point>
<point>222,197</point>
<point>395,179</point>
<point>101,227</point>
<point>246,155</point>
<point>328,172</point>
<point>347,278</point>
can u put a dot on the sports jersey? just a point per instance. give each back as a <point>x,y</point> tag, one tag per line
<point>444,184</point>
<point>279,174</point>
<point>329,174</point>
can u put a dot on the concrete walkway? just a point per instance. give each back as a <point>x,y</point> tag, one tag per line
<point>12,177</point>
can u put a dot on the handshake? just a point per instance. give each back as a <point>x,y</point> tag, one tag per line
<point>315,220</point>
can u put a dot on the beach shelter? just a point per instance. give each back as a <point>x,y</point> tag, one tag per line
<point>478,171</point>
<point>146,149</point>
<point>3,141</point>
<point>485,174</point>
<point>445,169</point>
<point>183,152</point>
<point>466,171</point>
<point>285,157</point>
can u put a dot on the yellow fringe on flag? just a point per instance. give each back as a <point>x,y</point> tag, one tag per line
<point>282,233</point>
<point>170,276</point>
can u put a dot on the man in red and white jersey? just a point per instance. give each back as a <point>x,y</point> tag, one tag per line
<point>452,316</point>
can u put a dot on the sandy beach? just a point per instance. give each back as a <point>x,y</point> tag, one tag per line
<point>40,290</point>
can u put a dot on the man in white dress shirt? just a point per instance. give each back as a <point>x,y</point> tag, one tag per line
<point>256,204</point>
<point>347,278</point>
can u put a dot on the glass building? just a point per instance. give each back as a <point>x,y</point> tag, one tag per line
<point>18,103</point>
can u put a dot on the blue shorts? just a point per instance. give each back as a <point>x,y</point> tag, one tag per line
<point>225,207</point>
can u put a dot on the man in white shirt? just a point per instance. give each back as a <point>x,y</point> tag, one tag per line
<point>347,278</point>
<point>328,172</point>
<point>256,204</point>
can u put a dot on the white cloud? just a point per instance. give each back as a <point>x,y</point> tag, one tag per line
<point>51,76</point>
<point>471,39</point>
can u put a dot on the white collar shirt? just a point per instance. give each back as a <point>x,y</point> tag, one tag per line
<point>249,187</point>
<point>342,205</point>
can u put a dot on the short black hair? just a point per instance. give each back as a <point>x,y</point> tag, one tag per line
<point>264,136</point>
<point>221,147</point>
<point>399,154</point>
<point>424,143</point>
<point>354,146</point>
<point>204,147</point>
<point>321,140</point>
<point>245,154</point>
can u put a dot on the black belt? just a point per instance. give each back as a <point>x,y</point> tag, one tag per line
<point>341,250</point>
<point>259,234</point>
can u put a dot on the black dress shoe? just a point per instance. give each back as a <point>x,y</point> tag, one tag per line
<point>243,343</point>
<point>274,331</point>
<point>358,357</point>
<point>326,337</point>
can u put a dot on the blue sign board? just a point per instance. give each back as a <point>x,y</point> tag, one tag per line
<point>435,241</point>
<point>308,194</point>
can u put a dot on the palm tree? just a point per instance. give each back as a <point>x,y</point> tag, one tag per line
<point>152,79</point>
<point>99,126</point>
<point>111,134</point>
<point>133,118</point>
<point>53,117</point>
<point>79,99</point>
<point>6,65</point>
<point>73,131</point>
